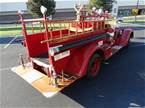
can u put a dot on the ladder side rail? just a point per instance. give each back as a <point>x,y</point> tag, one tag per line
<point>24,31</point>
<point>32,27</point>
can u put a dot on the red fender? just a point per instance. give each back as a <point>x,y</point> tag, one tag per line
<point>126,35</point>
<point>91,50</point>
<point>80,59</point>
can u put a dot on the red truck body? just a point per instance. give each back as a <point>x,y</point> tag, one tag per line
<point>76,50</point>
<point>80,48</point>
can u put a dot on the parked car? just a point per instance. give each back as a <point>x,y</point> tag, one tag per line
<point>119,19</point>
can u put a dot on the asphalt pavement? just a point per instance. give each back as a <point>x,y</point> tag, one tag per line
<point>120,84</point>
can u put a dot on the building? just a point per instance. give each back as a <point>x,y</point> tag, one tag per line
<point>122,8</point>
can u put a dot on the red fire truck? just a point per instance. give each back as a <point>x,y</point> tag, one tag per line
<point>61,51</point>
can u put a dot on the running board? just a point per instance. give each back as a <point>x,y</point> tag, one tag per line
<point>116,48</point>
<point>42,82</point>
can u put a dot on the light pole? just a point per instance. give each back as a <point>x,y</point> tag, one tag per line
<point>136,10</point>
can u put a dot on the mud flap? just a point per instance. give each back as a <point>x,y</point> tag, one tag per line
<point>42,82</point>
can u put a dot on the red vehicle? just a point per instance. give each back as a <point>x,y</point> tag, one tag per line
<point>63,51</point>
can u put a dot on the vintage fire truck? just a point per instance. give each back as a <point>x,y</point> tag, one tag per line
<point>61,51</point>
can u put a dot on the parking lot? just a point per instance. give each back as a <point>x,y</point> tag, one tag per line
<point>120,84</point>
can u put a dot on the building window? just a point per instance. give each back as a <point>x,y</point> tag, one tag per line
<point>115,10</point>
<point>115,2</point>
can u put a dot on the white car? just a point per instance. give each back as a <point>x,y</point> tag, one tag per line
<point>119,20</point>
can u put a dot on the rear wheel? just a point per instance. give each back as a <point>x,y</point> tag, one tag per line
<point>94,66</point>
<point>128,42</point>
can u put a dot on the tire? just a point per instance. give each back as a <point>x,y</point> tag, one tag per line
<point>94,66</point>
<point>128,42</point>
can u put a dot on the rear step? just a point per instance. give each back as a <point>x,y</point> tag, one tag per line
<point>41,60</point>
<point>41,63</point>
<point>42,82</point>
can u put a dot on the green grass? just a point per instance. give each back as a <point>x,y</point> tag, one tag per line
<point>13,31</point>
<point>17,30</point>
<point>10,31</point>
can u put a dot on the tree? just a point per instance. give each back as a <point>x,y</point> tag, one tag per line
<point>33,7</point>
<point>105,4</point>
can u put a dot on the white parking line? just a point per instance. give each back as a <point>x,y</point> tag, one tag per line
<point>6,46</point>
<point>3,69</point>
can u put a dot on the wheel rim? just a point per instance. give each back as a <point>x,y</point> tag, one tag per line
<point>95,67</point>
